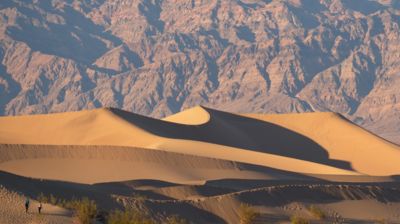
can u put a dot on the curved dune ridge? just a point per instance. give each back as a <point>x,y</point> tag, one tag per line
<point>193,146</point>
<point>193,116</point>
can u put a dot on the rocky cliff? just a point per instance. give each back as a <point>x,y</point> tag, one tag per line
<point>157,57</point>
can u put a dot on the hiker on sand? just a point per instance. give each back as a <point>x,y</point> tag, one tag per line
<point>40,207</point>
<point>26,204</point>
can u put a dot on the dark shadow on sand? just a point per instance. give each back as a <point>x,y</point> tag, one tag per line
<point>101,193</point>
<point>240,132</point>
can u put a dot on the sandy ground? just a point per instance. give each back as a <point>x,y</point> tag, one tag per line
<point>213,202</point>
<point>201,164</point>
<point>12,210</point>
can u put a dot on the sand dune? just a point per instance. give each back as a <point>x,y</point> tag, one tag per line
<point>96,127</point>
<point>97,164</point>
<point>201,163</point>
<point>193,116</point>
<point>344,141</point>
<point>313,144</point>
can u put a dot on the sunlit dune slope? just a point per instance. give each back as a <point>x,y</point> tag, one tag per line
<point>94,127</point>
<point>97,164</point>
<point>193,116</point>
<point>343,140</point>
<point>308,144</point>
<point>317,133</point>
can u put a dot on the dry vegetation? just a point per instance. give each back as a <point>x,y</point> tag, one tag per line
<point>247,214</point>
<point>129,216</point>
<point>175,219</point>
<point>84,209</point>
<point>298,220</point>
<point>317,212</point>
<point>381,221</point>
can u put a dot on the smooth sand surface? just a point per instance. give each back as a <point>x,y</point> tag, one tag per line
<point>107,164</point>
<point>193,116</point>
<point>367,153</point>
<point>311,144</point>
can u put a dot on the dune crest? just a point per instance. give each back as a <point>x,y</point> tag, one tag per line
<point>193,116</point>
<point>343,140</point>
<point>89,127</point>
<point>307,145</point>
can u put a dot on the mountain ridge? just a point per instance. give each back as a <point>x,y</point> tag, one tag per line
<point>157,58</point>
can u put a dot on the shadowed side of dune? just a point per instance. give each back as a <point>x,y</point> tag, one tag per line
<point>276,198</point>
<point>307,143</point>
<point>204,204</point>
<point>97,164</point>
<point>33,187</point>
<point>324,138</point>
<point>104,196</point>
<point>241,132</point>
<point>309,194</point>
<point>343,140</point>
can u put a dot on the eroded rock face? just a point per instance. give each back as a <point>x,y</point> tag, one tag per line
<point>157,57</point>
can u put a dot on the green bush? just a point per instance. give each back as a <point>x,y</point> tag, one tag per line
<point>247,214</point>
<point>298,220</point>
<point>316,212</point>
<point>130,216</point>
<point>175,219</point>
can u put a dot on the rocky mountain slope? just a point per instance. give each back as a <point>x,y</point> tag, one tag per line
<point>157,57</point>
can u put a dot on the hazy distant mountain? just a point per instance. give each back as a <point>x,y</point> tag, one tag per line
<point>157,57</point>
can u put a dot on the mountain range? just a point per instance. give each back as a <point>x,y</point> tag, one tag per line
<point>159,57</point>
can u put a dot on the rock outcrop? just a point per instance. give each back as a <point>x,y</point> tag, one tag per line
<point>157,57</point>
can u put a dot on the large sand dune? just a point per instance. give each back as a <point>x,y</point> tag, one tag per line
<point>222,152</point>
<point>308,144</point>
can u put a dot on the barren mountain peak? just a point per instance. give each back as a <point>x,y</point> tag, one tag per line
<point>159,57</point>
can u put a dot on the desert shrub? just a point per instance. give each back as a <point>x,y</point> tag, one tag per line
<point>247,214</point>
<point>381,221</point>
<point>52,199</point>
<point>175,219</point>
<point>316,212</point>
<point>130,216</point>
<point>69,204</point>
<point>85,210</point>
<point>139,197</point>
<point>298,220</point>
<point>63,203</point>
<point>42,198</point>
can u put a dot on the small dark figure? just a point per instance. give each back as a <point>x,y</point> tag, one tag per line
<point>26,205</point>
<point>40,207</point>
